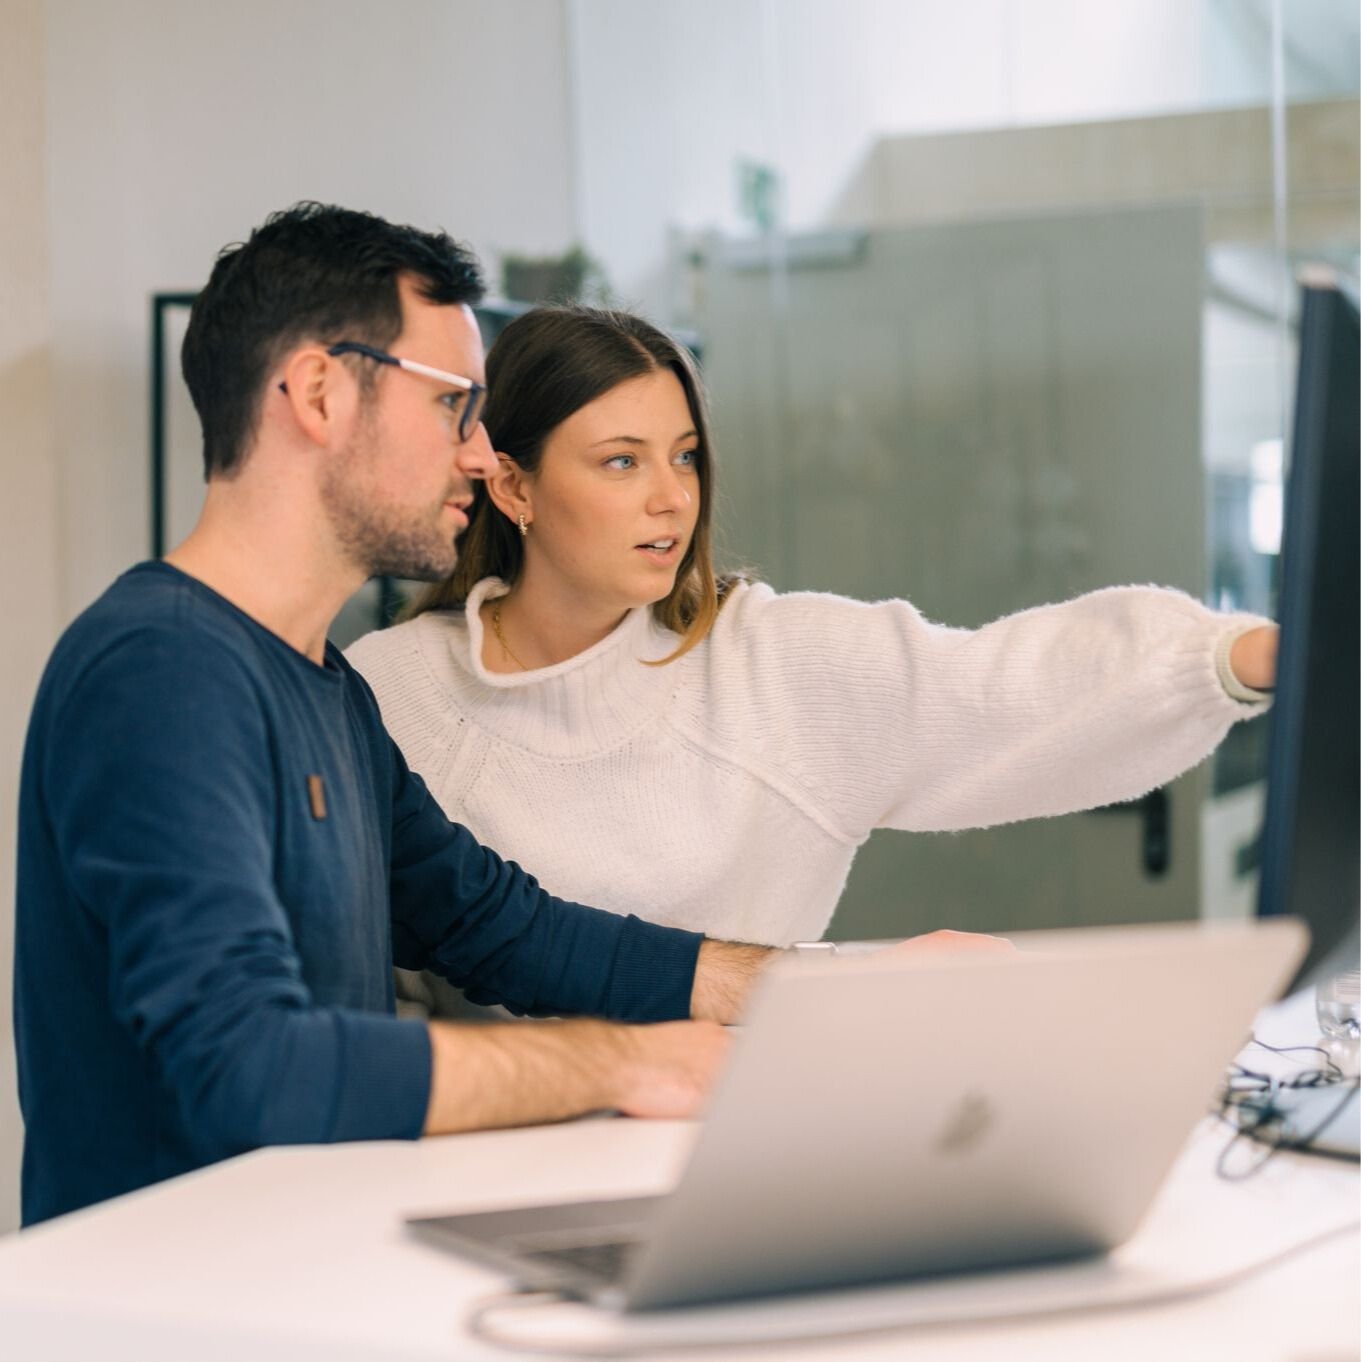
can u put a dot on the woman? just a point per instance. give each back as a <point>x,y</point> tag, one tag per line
<point>588,699</point>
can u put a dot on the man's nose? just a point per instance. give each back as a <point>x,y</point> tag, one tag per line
<point>475,457</point>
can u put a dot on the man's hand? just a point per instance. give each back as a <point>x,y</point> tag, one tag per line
<point>1253,657</point>
<point>491,1076</point>
<point>670,1068</point>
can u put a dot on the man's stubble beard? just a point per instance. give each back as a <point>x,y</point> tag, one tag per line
<point>382,540</point>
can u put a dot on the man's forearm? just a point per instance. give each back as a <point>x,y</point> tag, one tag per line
<point>724,975</point>
<point>485,1077</point>
<point>489,1076</point>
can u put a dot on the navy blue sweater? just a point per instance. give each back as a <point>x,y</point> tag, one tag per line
<point>221,855</point>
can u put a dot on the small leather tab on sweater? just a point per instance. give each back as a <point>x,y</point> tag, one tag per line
<point>1233,687</point>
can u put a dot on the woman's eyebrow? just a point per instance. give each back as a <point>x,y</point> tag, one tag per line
<point>618,440</point>
<point>690,434</point>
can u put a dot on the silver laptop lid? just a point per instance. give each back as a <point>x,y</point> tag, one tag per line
<point>885,1116</point>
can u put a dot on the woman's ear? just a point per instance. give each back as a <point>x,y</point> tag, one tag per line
<point>511,490</point>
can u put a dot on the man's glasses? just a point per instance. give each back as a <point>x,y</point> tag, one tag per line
<point>471,411</point>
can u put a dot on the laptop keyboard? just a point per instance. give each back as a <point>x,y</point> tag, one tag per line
<point>607,1261</point>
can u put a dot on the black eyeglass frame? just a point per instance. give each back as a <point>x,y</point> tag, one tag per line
<point>471,415</point>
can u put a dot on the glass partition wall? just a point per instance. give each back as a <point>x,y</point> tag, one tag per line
<point>995,306</point>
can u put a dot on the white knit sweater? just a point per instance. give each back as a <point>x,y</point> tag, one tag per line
<point>727,792</point>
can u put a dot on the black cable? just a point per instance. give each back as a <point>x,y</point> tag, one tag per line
<point>1250,1097</point>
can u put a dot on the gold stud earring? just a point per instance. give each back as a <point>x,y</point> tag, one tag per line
<point>524,527</point>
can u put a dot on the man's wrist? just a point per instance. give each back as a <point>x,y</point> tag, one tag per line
<point>724,974</point>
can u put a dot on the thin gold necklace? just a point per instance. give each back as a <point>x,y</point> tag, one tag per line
<point>501,638</point>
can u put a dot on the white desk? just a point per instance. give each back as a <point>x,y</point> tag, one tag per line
<point>298,1254</point>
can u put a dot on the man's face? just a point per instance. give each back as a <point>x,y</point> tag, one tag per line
<point>398,495</point>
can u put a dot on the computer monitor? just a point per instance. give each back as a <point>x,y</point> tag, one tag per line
<point>1309,865</point>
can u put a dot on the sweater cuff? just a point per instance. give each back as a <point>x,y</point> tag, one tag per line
<point>1233,687</point>
<point>654,973</point>
<point>384,1080</point>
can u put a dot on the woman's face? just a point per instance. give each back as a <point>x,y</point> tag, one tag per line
<point>617,494</point>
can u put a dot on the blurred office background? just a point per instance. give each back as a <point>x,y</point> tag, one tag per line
<point>994,299</point>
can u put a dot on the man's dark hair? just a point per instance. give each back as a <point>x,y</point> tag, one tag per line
<point>313,272</point>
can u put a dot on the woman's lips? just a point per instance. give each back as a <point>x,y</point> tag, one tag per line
<point>658,555</point>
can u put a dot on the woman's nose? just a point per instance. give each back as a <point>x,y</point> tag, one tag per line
<point>670,493</point>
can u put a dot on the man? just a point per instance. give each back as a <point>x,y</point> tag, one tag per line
<point>221,851</point>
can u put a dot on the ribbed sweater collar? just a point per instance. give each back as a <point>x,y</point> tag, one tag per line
<point>588,703</point>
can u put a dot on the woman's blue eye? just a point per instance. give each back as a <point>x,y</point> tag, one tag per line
<point>453,401</point>
<point>621,461</point>
<point>689,457</point>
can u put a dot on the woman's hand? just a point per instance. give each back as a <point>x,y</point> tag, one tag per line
<point>947,942</point>
<point>1253,657</point>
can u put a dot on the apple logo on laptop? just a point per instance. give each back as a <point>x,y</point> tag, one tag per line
<point>970,1120</point>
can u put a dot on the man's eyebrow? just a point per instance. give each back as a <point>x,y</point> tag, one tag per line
<point>638,440</point>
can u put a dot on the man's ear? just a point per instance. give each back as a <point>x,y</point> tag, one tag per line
<point>511,490</point>
<point>320,391</point>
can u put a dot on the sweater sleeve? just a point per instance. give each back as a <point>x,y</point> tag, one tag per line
<point>161,802</point>
<point>876,717</point>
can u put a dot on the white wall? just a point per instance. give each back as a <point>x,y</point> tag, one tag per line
<point>177,127</point>
<point>669,97</point>
<point>138,138</point>
<point>28,485</point>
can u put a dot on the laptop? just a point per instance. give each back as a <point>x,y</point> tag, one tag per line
<point>886,1116</point>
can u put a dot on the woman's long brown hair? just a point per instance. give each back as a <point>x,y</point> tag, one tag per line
<point>545,366</point>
